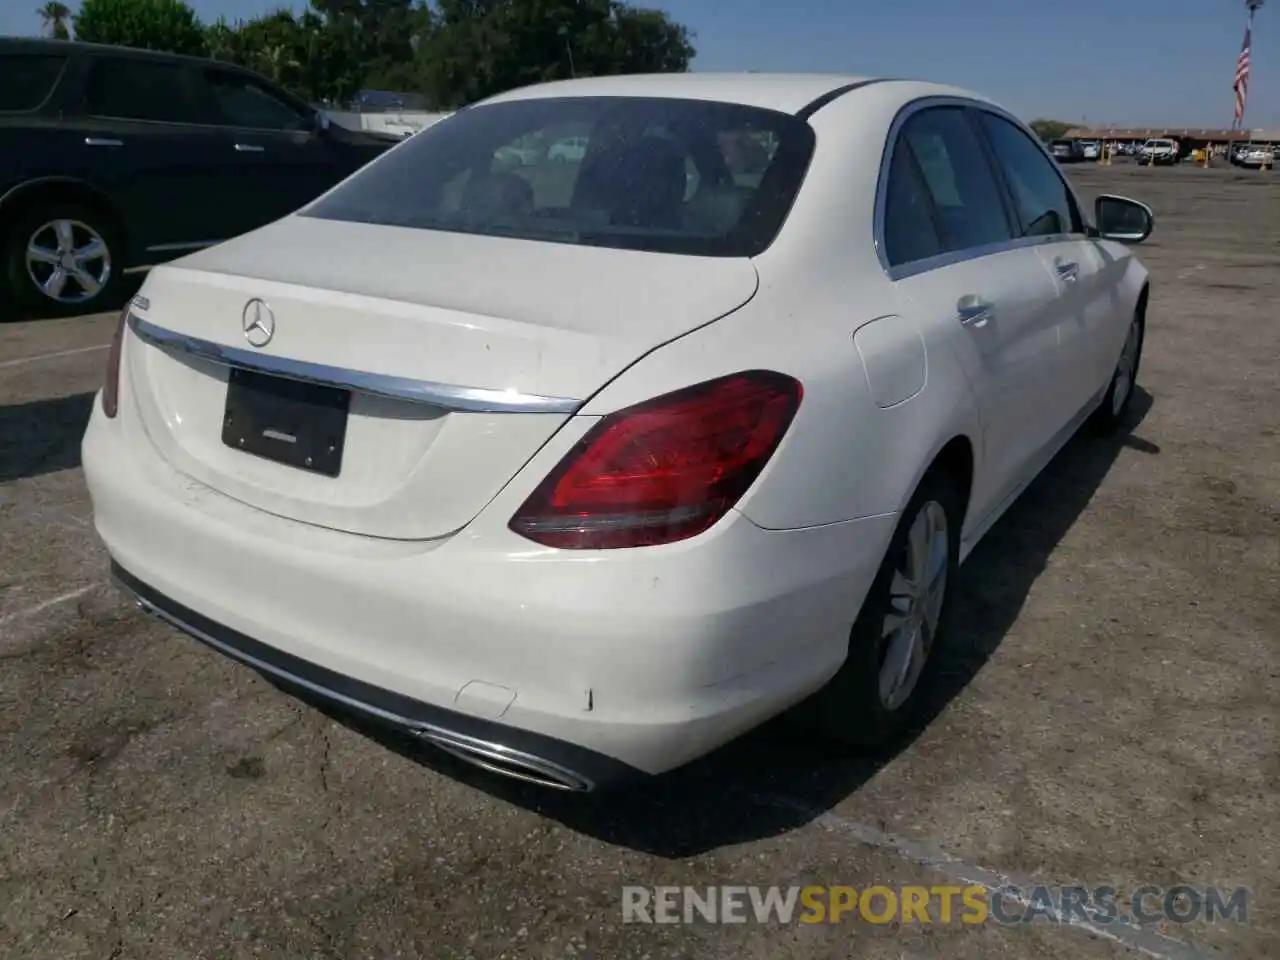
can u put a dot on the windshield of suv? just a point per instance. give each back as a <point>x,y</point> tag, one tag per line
<point>655,174</point>
<point>1159,143</point>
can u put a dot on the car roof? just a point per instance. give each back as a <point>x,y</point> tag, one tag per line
<point>783,92</point>
<point>68,47</point>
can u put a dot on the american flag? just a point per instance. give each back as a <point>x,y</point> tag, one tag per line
<point>1241,85</point>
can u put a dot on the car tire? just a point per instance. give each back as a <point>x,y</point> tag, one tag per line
<point>860,707</point>
<point>1114,409</point>
<point>91,276</point>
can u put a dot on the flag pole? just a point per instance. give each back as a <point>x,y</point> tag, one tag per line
<point>1246,55</point>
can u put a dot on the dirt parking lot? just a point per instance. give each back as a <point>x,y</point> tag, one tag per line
<point>1109,716</point>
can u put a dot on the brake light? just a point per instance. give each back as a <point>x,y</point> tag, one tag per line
<point>663,470</point>
<point>111,387</point>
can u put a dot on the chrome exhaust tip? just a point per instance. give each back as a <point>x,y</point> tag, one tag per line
<point>505,762</point>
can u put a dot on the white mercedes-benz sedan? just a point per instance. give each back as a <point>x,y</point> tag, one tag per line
<point>580,469</point>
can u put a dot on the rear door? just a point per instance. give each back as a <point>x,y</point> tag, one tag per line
<point>280,159</point>
<point>949,245</point>
<point>1047,214</point>
<point>29,145</point>
<point>137,134</point>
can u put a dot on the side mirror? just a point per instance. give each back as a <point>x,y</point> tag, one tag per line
<point>1122,219</point>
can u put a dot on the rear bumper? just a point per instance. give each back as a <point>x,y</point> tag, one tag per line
<point>505,750</point>
<point>573,668</point>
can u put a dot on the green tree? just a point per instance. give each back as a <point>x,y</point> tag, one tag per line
<point>56,16</point>
<point>168,25</point>
<point>274,46</point>
<point>1048,130</point>
<point>378,35</point>
<point>476,48</point>
<point>222,41</point>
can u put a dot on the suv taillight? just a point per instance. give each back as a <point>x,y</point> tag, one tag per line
<point>111,387</point>
<point>663,470</point>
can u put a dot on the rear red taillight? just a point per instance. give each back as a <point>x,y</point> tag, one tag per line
<point>663,470</point>
<point>111,388</point>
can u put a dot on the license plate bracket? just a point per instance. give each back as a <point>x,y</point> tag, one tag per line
<point>302,425</point>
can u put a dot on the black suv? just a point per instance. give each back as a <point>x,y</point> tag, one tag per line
<point>113,158</point>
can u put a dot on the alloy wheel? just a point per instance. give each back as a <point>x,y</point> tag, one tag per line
<point>1125,368</point>
<point>917,591</point>
<point>68,261</point>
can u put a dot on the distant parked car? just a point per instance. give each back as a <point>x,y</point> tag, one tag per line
<point>1067,151</point>
<point>1256,155</point>
<point>1159,152</point>
<point>525,152</point>
<point>568,150</point>
<point>1090,149</point>
<point>112,158</point>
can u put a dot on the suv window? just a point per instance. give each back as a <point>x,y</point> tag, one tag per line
<point>1040,196</point>
<point>129,89</point>
<point>241,102</point>
<point>909,231</point>
<point>966,196</point>
<point>28,79</point>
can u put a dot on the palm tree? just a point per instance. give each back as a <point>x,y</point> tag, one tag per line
<point>55,16</point>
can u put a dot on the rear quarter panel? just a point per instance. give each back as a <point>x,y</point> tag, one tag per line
<point>845,456</point>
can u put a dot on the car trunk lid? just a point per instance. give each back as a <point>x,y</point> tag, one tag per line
<point>467,354</point>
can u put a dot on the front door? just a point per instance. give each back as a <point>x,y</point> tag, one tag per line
<point>1048,216</point>
<point>280,159</point>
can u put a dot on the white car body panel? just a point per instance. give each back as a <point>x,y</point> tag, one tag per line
<point>403,573</point>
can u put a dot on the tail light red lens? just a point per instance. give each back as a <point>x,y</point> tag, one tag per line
<point>111,387</point>
<point>663,470</point>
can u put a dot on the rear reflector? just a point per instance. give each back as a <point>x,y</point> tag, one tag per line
<point>664,470</point>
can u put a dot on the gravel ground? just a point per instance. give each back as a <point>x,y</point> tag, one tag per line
<point>1109,715</point>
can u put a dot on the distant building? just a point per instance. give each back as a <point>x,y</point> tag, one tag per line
<point>375,101</point>
<point>1194,136</point>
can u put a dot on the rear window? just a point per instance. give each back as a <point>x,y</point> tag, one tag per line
<point>662,175</point>
<point>28,79</point>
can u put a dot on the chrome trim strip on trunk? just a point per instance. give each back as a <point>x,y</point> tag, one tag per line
<point>445,395</point>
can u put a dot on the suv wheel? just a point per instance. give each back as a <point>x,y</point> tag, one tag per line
<point>61,258</point>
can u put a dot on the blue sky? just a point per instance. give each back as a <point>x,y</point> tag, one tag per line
<point>1118,62</point>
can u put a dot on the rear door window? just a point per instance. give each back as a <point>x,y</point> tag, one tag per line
<point>910,234</point>
<point>136,89</point>
<point>966,196</point>
<point>239,101</point>
<point>27,80</point>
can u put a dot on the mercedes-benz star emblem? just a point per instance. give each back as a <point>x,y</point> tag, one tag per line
<point>258,322</point>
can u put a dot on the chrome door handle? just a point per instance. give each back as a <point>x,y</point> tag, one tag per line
<point>249,148</point>
<point>102,142</point>
<point>974,311</point>
<point>1067,271</point>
